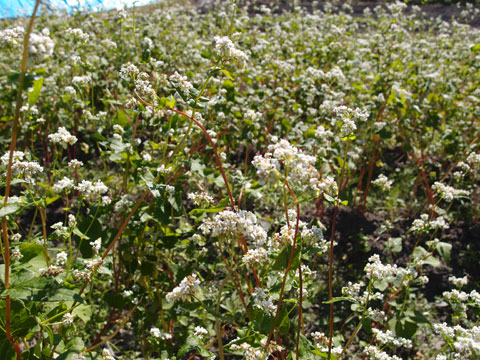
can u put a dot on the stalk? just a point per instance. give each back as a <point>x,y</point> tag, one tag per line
<point>287,270</point>
<point>13,145</point>
<point>330,260</point>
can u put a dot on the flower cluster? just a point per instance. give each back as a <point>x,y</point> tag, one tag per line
<point>226,49</point>
<point>383,182</point>
<point>185,290</point>
<point>63,137</point>
<point>448,193</point>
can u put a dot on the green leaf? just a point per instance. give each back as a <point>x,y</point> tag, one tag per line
<point>84,312</point>
<point>337,299</point>
<point>227,74</point>
<point>219,207</point>
<point>476,47</point>
<point>35,93</point>
<point>6,348</point>
<point>9,209</point>
<point>445,249</point>
<point>282,259</point>
<point>428,258</point>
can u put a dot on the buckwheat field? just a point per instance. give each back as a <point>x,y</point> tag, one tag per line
<point>240,181</point>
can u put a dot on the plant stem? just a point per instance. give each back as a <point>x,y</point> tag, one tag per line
<point>330,260</point>
<point>13,145</point>
<point>289,264</point>
<point>217,320</point>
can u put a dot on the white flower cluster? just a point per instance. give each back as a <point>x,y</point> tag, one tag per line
<point>157,333</point>
<point>352,289</point>
<point>11,37</point>
<point>67,319</point>
<point>200,197</point>
<point>144,87</point>
<point>375,270</point>
<point>123,204</point>
<point>181,81</point>
<point>70,90</point>
<point>96,245</point>
<point>458,301</point>
<point>107,355</point>
<point>77,34</point>
<point>127,71</point>
<point>465,341</point>
<point>458,282</point>
<point>348,116</point>
<point>61,258</point>
<point>200,331</point>
<point>448,193</point>
<point>474,159</point>
<point>376,314</point>
<point>63,184</point>
<point>255,256</point>
<point>320,340</point>
<point>89,188</point>
<point>252,115</point>
<point>263,302</point>
<point>60,230</point>
<point>185,290</point>
<point>314,236</point>
<point>249,351</point>
<point>299,166</point>
<point>389,337</point>
<point>424,224</point>
<point>226,49</point>
<point>81,80</point>
<point>16,254</point>
<point>383,182</point>
<point>75,164</point>
<point>63,137</point>
<point>376,354</point>
<point>41,45</point>
<point>52,270</point>
<point>233,224</point>
<point>21,167</point>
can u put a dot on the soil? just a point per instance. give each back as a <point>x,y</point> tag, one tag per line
<point>357,238</point>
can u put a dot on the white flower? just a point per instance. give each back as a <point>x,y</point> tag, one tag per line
<point>61,258</point>
<point>263,302</point>
<point>383,182</point>
<point>67,319</point>
<point>12,37</point>
<point>128,71</point>
<point>96,245</point>
<point>75,164</point>
<point>225,48</point>
<point>185,289</point>
<point>63,137</point>
<point>181,81</point>
<point>64,184</point>
<point>16,254</point>
<point>88,187</point>
<point>81,80</point>
<point>107,355</point>
<point>200,197</point>
<point>41,45</point>
<point>200,331</point>
<point>157,333</point>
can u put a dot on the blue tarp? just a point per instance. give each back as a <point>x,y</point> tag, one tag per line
<point>14,8</point>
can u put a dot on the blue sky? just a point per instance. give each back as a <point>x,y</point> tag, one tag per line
<point>9,8</point>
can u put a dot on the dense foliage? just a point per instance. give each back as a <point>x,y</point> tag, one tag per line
<point>225,184</point>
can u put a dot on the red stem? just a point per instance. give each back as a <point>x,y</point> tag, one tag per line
<point>290,260</point>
